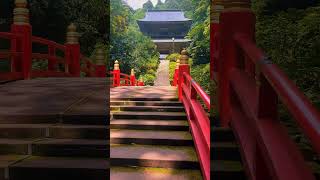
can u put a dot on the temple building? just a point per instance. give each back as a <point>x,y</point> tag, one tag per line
<point>167,29</point>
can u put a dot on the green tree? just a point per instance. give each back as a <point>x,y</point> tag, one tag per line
<point>148,5</point>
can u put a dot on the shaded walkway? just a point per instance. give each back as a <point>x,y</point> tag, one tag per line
<point>162,76</point>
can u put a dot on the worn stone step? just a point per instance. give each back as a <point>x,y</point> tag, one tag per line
<point>145,103</point>
<point>149,108</point>
<point>157,125</point>
<point>150,115</point>
<point>219,134</point>
<point>168,138</point>
<point>6,161</point>
<point>138,173</point>
<point>154,156</point>
<point>82,119</point>
<point>79,131</point>
<point>16,146</point>
<point>146,98</point>
<point>53,168</point>
<point>71,148</point>
<point>226,170</point>
<point>228,151</point>
<point>24,130</point>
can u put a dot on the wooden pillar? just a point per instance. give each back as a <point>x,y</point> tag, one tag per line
<point>132,78</point>
<point>101,69</point>
<point>183,68</point>
<point>22,27</point>
<point>116,74</point>
<point>235,18</point>
<point>73,50</point>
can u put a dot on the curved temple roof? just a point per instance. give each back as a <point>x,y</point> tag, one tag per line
<point>165,16</point>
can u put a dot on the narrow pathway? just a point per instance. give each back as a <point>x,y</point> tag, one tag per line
<point>162,76</point>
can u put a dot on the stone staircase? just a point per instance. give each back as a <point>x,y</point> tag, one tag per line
<point>150,136</point>
<point>225,157</point>
<point>43,144</point>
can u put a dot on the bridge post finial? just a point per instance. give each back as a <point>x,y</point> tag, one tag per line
<point>21,13</point>
<point>101,69</point>
<point>72,34</point>
<point>100,57</point>
<point>184,58</point>
<point>132,78</point>
<point>132,72</point>
<point>116,65</point>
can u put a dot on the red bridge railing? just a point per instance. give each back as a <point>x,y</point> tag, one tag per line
<point>121,79</point>
<point>250,87</point>
<point>193,96</point>
<point>60,60</point>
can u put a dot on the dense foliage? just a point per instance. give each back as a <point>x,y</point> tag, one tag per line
<point>129,45</point>
<point>289,31</point>
<point>50,19</point>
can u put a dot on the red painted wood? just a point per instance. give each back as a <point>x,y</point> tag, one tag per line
<point>74,59</point>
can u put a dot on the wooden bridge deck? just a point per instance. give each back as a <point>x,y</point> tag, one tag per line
<point>54,128</point>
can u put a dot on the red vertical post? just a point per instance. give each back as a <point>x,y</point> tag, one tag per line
<point>176,73</point>
<point>22,27</point>
<point>116,74</point>
<point>52,64</point>
<point>216,8</point>
<point>73,48</point>
<point>132,78</point>
<point>100,67</point>
<point>183,68</point>
<point>233,20</point>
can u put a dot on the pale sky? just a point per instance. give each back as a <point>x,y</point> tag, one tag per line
<point>136,4</point>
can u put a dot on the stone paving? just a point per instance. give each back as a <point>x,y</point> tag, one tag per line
<point>162,76</point>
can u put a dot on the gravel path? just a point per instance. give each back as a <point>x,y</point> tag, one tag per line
<point>162,76</point>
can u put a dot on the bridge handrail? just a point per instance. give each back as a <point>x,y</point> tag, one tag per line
<point>9,36</point>
<point>297,103</point>
<point>189,91</point>
<point>48,43</point>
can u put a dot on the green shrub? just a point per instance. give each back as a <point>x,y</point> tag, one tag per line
<point>148,79</point>
<point>201,74</point>
<point>173,57</point>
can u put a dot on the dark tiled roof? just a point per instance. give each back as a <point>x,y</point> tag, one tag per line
<point>165,15</point>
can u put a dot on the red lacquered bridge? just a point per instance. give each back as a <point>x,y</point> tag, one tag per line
<point>54,124</point>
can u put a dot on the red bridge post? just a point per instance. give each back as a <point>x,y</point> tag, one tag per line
<point>132,78</point>
<point>116,74</point>
<point>235,18</point>
<point>183,68</point>
<point>176,73</point>
<point>21,26</point>
<point>73,49</point>
<point>101,69</point>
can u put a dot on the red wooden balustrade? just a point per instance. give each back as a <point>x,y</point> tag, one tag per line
<point>250,87</point>
<point>122,79</point>
<point>62,60</point>
<point>191,95</point>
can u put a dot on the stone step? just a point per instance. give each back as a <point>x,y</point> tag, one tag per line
<point>227,170</point>
<point>156,125</point>
<point>53,168</point>
<point>6,161</point>
<point>16,131</point>
<point>219,134</point>
<point>168,138</point>
<point>16,146</point>
<point>149,108</point>
<point>145,103</point>
<point>150,115</point>
<point>138,173</point>
<point>227,151</point>
<point>79,131</point>
<point>71,148</point>
<point>154,156</point>
<point>81,119</point>
<point>146,98</point>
